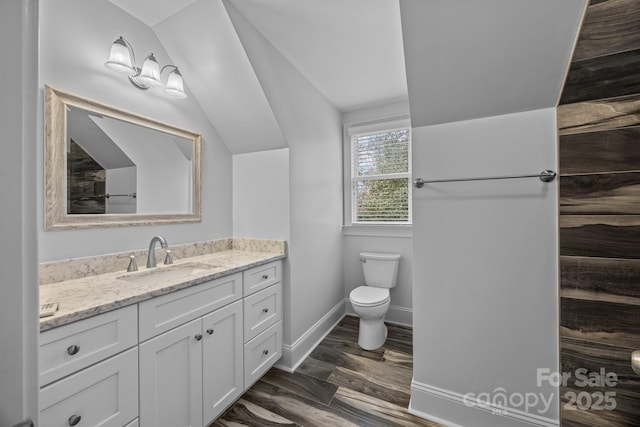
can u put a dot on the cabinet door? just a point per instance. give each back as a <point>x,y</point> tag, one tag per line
<point>222,359</point>
<point>171,378</point>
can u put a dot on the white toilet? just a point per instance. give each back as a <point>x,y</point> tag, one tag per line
<point>372,301</point>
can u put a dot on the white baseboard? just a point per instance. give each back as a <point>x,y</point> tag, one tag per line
<point>396,314</point>
<point>294,354</point>
<point>455,410</point>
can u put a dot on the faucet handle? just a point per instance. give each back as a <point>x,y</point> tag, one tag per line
<point>132,264</point>
<point>169,258</point>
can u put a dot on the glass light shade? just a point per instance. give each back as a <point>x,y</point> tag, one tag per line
<point>150,73</point>
<point>175,85</point>
<point>120,58</point>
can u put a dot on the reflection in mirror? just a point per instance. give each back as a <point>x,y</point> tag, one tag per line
<point>117,167</point>
<point>101,178</point>
<point>114,168</point>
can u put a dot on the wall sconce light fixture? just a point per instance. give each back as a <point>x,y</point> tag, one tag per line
<point>123,60</point>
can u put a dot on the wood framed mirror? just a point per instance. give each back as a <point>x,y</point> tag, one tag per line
<point>106,167</point>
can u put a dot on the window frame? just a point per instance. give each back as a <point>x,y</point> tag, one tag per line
<point>378,227</point>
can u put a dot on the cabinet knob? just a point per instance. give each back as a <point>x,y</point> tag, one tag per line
<point>265,310</point>
<point>265,276</point>
<point>265,352</point>
<point>73,350</point>
<point>210,331</point>
<point>198,337</point>
<point>74,420</point>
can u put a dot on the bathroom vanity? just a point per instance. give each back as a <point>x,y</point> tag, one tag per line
<point>170,346</point>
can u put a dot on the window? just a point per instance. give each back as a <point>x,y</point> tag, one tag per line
<point>380,173</point>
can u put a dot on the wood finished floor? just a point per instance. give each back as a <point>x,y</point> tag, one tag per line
<point>339,384</point>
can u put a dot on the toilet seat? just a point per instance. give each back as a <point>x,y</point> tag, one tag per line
<point>369,296</point>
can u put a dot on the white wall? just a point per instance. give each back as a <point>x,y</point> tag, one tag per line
<point>75,37</point>
<point>313,289</point>
<point>486,284</point>
<point>164,173</point>
<point>378,238</point>
<point>261,195</point>
<point>18,251</point>
<point>121,181</point>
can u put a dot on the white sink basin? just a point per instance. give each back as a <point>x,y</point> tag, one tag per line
<point>173,273</point>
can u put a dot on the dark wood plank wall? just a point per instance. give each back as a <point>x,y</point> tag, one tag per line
<point>599,127</point>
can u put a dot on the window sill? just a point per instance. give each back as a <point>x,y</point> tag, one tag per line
<point>378,230</point>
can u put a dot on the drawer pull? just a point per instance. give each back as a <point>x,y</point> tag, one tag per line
<point>198,337</point>
<point>265,276</point>
<point>74,419</point>
<point>210,331</point>
<point>265,310</point>
<point>265,352</point>
<point>72,350</point>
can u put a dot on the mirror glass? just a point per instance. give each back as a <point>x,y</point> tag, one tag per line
<point>107,167</point>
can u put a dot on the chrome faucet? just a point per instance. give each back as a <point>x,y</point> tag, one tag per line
<point>151,256</point>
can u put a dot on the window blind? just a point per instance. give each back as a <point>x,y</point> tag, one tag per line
<point>380,175</point>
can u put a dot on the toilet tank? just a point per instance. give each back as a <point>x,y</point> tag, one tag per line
<point>380,269</point>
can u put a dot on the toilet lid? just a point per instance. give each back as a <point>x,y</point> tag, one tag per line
<point>369,295</point>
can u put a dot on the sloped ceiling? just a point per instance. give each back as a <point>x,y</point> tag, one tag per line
<point>462,59</point>
<point>350,50</point>
<point>152,12</point>
<point>203,43</point>
<point>468,59</point>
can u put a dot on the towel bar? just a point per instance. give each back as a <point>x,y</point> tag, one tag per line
<point>544,176</point>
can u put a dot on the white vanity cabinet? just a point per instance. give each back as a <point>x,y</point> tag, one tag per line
<point>179,359</point>
<point>222,364</point>
<point>171,378</point>
<point>89,371</point>
<point>165,312</point>
<point>262,320</point>
<point>261,277</point>
<point>191,373</point>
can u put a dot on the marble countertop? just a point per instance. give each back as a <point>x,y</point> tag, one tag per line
<point>88,296</point>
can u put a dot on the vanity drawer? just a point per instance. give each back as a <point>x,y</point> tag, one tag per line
<point>261,353</point>
<point>261,310</point>
<point>105,394</point>
<point>77,345</point>
<point>262,276</point>
<point>165,312</point>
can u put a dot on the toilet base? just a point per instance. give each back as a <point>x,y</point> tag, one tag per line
<point>372,334</point>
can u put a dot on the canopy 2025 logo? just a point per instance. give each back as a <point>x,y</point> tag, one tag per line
<point>583,400</point>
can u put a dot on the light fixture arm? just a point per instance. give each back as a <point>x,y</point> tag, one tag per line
<point>131,52</point>
<point>169,65</point>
